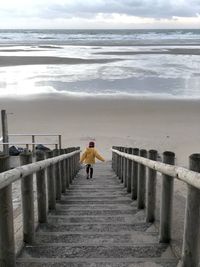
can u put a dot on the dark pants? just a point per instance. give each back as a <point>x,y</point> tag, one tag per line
<point>89,170</point>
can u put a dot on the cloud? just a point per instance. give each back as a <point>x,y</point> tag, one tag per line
<point>142,8</point>
<point>80,8</point>
<point>91,10</point>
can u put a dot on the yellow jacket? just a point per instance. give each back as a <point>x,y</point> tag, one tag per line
<point>89,156</point>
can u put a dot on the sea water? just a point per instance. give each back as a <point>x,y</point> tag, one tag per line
<point>151,63</point>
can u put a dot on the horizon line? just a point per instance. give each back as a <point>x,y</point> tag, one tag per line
<point>99,29</point>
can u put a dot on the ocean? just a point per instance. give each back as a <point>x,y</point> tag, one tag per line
<point>147,63</point>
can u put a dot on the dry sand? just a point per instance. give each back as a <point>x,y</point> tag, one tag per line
<point>137,122</point>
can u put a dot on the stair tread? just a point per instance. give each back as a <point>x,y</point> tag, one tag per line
<point>85,262</point>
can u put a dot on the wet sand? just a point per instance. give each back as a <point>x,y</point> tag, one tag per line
<point>6,61</point>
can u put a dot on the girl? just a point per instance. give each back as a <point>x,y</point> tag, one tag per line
<point>88,158</point>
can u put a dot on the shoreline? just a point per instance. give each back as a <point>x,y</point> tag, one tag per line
<point>49,44</point>
<point>70,95</point>
<point>10,60</point>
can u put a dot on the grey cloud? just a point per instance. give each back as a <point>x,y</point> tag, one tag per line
<point>89,8</point>
<point>143,8</point>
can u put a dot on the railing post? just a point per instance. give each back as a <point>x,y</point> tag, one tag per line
<point>7,240</point>
<point>78,160</point>
<point>115,161</point>
<point>66,169</point>
<point>151,190</point>
<point>70,166</point>
<point>134,178</point>
<point>119,163</point>
<point>60,141</point>
<point>62,173</point>
<point>27,201</point>
<point>41,190</point>
<point>33,143</point>
<point>57,175</point>
<point>74,172</point>
<point>129,171</point>
<point>122,165</point>
<point>75,162</point>
<point>190,253</point>
<point>4,122</point>
<point>124,168</point>
<point>142,182</point>
<point>166,200</point>
<point>113,158</point>
<point>51,183</point>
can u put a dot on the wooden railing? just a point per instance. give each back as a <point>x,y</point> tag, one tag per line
<point>28,145</point>
<point>33,139</point>
<point>130,165</point>
<point>58,169</point>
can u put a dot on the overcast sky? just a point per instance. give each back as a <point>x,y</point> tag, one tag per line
<point>99,14</point>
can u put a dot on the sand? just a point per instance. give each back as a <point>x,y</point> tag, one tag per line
<point>156,51</point>
<point>138,122</point>
<point>6,61</point>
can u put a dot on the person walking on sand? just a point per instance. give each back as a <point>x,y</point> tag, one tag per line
<point>88,158</point>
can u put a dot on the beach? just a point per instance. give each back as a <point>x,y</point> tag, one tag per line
<point>162,124</point>
<point>130,89</point>
<point>118,87</point>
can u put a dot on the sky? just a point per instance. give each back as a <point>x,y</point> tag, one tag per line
<point>99,14</point>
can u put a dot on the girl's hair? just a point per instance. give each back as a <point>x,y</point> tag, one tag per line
<point>91,144</point>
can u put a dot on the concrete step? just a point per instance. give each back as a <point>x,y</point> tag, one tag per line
<point>129,219</point>
<point>95,227</point>
<point>94,262</point>
<point>55,219</point>
<point>91,196</point>
<point>103,197</point>
<point>96,238</point>
<point>91,187</point>
<point>97,201</point>
<point>96,206</point>
<point>94,212</point>
<point>77,191</point>
<point>63,250</point>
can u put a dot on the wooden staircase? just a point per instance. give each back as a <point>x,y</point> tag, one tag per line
<point>96,224</point>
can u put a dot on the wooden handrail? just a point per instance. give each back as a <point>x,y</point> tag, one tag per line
<point>129,174</point>
<point>190,177</point>
<point>34,134</point>
<point>52,166</point>
<point>15,174</point>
